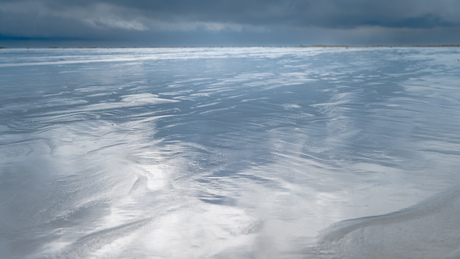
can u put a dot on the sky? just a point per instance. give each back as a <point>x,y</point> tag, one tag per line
<point>144,23</point>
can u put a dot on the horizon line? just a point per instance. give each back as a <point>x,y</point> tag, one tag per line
<point>260,46</point>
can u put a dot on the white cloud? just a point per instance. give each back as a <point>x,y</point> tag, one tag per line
<point>100,16</point>
<point>105,15</point>
<point>115,23</point>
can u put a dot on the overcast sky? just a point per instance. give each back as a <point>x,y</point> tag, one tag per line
<point>146,23</point>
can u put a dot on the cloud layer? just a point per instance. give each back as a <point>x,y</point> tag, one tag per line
<point>182,22</point>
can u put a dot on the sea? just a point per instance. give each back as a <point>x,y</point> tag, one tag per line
<point>258,152</point>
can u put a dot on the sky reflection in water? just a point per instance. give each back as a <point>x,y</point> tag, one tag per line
<point>227,153</point>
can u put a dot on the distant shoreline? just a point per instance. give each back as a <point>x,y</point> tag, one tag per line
<point>299,46</point>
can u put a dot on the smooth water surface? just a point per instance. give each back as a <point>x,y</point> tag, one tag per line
<point>230,153</point>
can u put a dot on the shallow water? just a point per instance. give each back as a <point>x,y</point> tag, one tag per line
<point>229,153</point>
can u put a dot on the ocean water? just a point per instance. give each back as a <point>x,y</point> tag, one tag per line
<point>230,153</point>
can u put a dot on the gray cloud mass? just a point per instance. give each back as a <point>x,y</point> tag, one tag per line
<point>236,22</point>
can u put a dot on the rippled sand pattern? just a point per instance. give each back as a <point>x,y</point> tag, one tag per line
<point>230,153</point>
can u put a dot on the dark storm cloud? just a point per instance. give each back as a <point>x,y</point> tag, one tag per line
<point>338,20</point>
<point>324,13</point>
